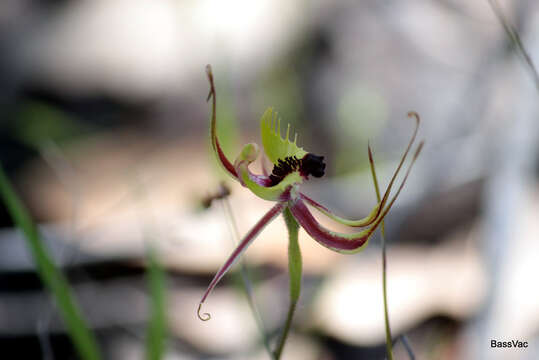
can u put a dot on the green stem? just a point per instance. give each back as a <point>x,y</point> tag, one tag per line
<point>389,346</point>
<point>389,341</point>
<point>286,329</point>
<point>294,270</point>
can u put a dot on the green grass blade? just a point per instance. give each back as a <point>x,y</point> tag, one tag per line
<point>83,339</point>
<point>157,328</point>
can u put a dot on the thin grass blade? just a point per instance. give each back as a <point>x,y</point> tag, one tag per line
<point>77,328</point>
<point>389,345</point>
<point>156,332</point>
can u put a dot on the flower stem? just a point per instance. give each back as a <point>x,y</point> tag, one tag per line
<point>389,341</point>
<point>294,270</point>
<point>389,346</point>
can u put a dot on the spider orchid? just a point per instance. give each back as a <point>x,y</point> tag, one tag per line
<point>291,167</point>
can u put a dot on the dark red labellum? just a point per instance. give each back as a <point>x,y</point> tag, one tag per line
<point>310,164</point>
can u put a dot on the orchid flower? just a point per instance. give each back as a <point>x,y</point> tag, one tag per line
<point>292,166</point>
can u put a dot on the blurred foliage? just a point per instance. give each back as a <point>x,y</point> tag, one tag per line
<point>280,89</point>
<point>362,114</point>
<point>38,122</point>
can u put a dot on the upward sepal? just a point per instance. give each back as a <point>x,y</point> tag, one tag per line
<point>216,146</point>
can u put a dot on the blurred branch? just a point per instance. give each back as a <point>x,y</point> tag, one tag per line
<point>514,37</point>
<point>404,339</point>
<point>406,344</point>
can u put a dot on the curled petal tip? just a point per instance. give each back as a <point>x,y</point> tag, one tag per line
<point>415,115</point>
<point>204,316</point>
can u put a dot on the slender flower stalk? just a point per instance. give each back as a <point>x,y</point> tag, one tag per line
<point>294,271</point>
<point>292,166</point>
<point>389,341</point>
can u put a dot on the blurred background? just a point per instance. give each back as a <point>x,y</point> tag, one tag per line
<point>104,133</point>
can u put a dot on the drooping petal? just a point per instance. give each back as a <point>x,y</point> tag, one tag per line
<point>366,221</point>
<point>343,243</point>
<point>275,146</point>
<point>375,212</point>
<point>244,244</point>
<point>259,184</point>
<point>223,160</point>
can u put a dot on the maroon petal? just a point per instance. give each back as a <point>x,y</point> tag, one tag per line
<point>389,186</point>
<point>347,243</point>
<point>244,244</point>
<point>325,237</point>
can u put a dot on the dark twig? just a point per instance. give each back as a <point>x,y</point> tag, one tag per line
<point>406,344</point>
<point>514,37</point>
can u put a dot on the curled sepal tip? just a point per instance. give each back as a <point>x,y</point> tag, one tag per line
<point>204,316</point>
<point>414,115</point>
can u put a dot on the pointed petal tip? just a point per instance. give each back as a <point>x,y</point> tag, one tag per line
<point>204,316</point>
<point>209,73</point>
<point>371,160</point>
